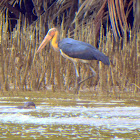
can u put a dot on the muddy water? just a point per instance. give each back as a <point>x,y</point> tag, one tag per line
<point>68,116</point>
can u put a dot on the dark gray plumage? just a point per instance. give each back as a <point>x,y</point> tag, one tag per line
<point>78,49</point>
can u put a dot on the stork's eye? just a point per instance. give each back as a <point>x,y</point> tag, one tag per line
<point>51,33</point>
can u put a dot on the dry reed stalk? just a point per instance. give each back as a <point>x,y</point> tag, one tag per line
<point>81,36</point>
<point>86,36</point>
<point>34,69</point>
<point>100,64</point>
<point>48,70</point>
<point>28,59</point>
<point>107,47</point>
<point>65,73</point>
<point>6,66</point>
<point>12,60</point>
<point>111,66</point>
<point>57,70</point>
<point>53,74</point>
<point>61,67</point>
<point>2,77</point>
<point>137,80</point>
<point>67,78</point>
<point>33,75</point>
<point>68,73</point>
<point>4,50</point>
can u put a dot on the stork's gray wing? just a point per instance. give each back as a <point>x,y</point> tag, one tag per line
<point>78,49</point>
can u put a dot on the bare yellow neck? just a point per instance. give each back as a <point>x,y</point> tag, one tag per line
<point>54,41</point>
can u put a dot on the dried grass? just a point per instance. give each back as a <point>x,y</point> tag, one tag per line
<point>20,69</point>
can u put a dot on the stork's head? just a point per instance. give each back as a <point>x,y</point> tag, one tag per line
<point>51,33</point>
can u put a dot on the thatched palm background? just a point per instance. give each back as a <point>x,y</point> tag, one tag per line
<point>105,24</point>
<point>120,12</point>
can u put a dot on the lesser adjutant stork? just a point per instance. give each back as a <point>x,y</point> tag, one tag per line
<point>76,51</point>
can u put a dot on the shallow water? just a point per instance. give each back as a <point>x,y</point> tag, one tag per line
<point>69,116</point>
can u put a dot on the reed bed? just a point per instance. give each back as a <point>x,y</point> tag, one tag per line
<point>21,69</point>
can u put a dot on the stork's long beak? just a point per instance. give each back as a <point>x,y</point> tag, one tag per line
<point>44,43</point>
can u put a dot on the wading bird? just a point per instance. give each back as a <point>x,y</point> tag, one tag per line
<point>76,51</point>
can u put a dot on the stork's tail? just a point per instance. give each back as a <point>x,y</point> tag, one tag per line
<point>105,60</point>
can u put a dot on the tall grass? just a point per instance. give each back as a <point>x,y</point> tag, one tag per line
<point>21,69</point>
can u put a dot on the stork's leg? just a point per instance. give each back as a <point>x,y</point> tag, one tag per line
<point>94,73</point>
<point>76,69</point>
<point>77,86</point>
<point>78,82</point>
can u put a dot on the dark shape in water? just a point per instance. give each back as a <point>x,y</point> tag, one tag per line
<point>27,105</point>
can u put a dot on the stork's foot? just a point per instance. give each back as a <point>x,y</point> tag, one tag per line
<point>78,83</point>
<point>77,86</point>
<point>77,89</point>
<point>78,80</point>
